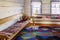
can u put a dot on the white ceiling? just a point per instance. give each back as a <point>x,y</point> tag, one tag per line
<point>36,0</point>
<point>55,0</point>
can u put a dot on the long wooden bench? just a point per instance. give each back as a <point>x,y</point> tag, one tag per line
<point>43,21</point>
<point>12,31</point>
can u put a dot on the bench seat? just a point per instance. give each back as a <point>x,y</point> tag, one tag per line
<point>14,29</point>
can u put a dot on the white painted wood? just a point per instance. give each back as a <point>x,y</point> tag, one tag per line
<point>10,7</point>
<point>7,24</point>
<point>48,22</point>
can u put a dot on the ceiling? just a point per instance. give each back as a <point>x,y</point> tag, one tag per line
<point>36,0</point>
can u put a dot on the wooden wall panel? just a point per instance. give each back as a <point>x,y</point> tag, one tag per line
<point>10,7</point>
<point>2,21</point>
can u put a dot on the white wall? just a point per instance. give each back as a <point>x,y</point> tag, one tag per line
<point>45,6</point>
<point>10,7</point>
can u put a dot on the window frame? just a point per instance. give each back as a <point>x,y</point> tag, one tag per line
<point>51,8</point>
<point>40,9</point>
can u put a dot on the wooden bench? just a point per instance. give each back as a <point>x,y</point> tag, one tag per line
<point>12,31</point>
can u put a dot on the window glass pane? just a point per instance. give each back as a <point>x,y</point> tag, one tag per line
<point>55,9</point>
<point>53,5</point>
<point>36,8</point>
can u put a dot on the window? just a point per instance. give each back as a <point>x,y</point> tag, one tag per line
<point>55,8</point>
<point>36,8</point>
